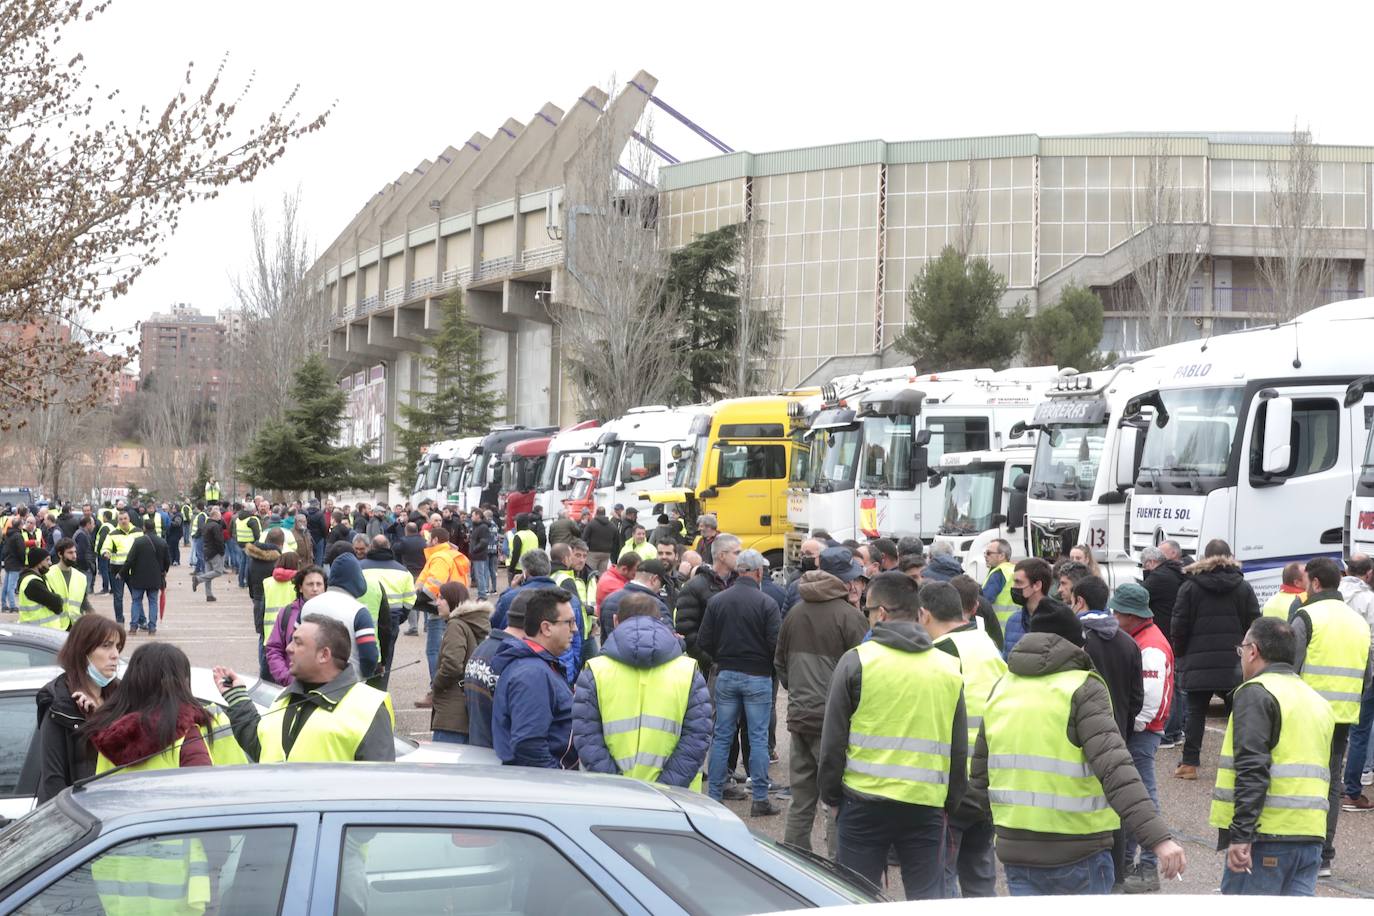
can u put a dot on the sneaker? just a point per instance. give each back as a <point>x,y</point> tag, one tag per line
<point>211,598</point>
<point>1324,871</point>
<point>1144,881</point>
<point>735,793</point>
<point>763,808</point>
<point>412,632</point>
<point>780,791</point>
<point>195,582</point>
<point>1186,771</point>
<point>1367,778</point>
<point>1170,742</point>
<point>773,757</point>
<point>1356,803</point>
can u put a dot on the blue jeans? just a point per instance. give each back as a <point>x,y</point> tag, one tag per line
<point>493,565</point>
<point>318,544</point>
<point>435,627</point>
<point>750,694</point>
<point>1093,875</point>
<point>869,829</point>
<point>117,595</point>
<point>1358,752</point>
<point>197,560</point>
<point>444,736</point>
<point>481,572</point>
<point>1276,870</point>
<point>11,593</point>
<point>1143,747</point>
<point>1178,714</point>
<point>243,565</point>
<point>136,612</point>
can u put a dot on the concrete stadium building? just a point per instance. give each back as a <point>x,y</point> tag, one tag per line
<point>484,217</point>
<point>848,227</point>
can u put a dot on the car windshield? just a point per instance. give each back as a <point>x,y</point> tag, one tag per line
<point>835,455</point>
<point>848,884</point>
<point>1066,460</point>
<point>1195,440</point>
<point>29,841</point>
<point>970,501</point>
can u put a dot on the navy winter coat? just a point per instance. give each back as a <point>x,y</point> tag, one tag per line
<point>611,606</point>
<point>572,659</point>
<point>531,714</point>
<point>643,642</point>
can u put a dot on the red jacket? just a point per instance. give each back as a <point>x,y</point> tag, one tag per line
<point>1157,667</point>
<point>609,583</point>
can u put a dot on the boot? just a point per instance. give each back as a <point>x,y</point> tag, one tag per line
<point>1144,881</point>
<point>1186,771</point>
<point>426,701</point>
<point>763,809</point>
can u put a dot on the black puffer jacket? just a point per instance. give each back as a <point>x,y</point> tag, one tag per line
<point>1163,583</point>
<point>1214,609</point>
<point>690,609</point>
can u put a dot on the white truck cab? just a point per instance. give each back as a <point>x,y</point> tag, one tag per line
<point>637,452</point>
<point>982,503</point>
<point>569,452</point>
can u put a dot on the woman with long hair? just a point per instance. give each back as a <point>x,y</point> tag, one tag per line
<point>90,661</point>
<point>309,582</point>
<point>469,622</point>
<point>1079,553</point>
<point>154,722</point>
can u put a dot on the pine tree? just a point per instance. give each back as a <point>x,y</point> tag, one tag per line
<point>297,453</point>
<point>956,320</point>
<point>1069,333</point>
<point>463,402</point>
<point>202,478</point>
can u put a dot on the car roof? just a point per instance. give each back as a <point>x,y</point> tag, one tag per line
<point>32,635</point>
<point>28,678</point>
<point>341,784</point>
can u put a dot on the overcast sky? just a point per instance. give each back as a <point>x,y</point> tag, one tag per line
<point>410,78</point>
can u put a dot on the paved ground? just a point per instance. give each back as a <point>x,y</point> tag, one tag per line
<point>222,633</point>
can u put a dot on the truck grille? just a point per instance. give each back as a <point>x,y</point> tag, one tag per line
<point>1052,541</point>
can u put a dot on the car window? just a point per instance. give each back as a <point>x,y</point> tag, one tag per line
<point>407,871</point>
<point>18,722</point>
<point>699,876</point>
<point>27,842</point>
<point>17,655</point>
<point>227,872</point>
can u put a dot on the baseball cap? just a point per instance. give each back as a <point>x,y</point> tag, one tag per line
<point>654,568</point>
<point>749,560</point>
<point>620,506</point>
<point>1131,598</point>
<point>515,614</point>
<point>840,563</point>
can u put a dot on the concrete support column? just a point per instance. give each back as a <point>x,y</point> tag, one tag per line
<point>440,254</point>
<point>475,259</point>
<point>383,274</point>
<point>512,378</point>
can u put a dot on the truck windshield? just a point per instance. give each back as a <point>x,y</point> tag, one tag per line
<point>971,499</point>
<point>1066,460</point>
<point>799,474</point>
<point>610,463</point>
<point>692,466</point>
<point>453,473</point>
<point>549,475</point>
<point>479,470</point>
<point>834,458</point>
<point>887,444</point>
<point>1194,446</point>
<point>432,468</point>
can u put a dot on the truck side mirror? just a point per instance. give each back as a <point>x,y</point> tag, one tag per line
<point>922,437</point>
<point>1125,457</point>
<point>920,470</point>
<point>1016,507</point>
<point>1021,484</point>
<point>1277,448</point>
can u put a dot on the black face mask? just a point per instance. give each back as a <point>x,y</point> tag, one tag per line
<point>808,564</point>
<point>1018,596</point>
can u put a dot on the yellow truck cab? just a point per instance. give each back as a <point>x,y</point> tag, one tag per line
<point>736,468</point>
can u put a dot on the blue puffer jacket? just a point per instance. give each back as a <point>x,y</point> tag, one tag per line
<point>531,714</point>
<point>611,606</point>
<point>643,642</point>
<point>572,659</point>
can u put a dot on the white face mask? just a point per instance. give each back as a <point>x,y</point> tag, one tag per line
<point>97,677</point>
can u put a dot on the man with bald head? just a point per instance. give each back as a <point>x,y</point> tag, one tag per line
<point>808,561</point>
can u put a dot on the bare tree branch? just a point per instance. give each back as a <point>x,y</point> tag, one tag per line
<point>1165,249</point>
<point>1297,267</point>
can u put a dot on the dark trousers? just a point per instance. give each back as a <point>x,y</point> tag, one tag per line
<point>174,549</point>
<point>117,592</point>
<point>104,574</point>
<point>1198,702</point>
<point>969,867</point>
<point>869,828</point>
<point>1339,738</point>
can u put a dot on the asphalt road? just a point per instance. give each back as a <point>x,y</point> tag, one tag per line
<point>222,633</point>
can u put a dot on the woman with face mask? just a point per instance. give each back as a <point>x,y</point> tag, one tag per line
<point>89,660</point>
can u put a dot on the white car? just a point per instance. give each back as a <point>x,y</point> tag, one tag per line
<point>19,746</point>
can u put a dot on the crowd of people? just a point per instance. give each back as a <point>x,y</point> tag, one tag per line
<point>943,721</point>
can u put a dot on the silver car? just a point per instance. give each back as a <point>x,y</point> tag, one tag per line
<point>407,840</point>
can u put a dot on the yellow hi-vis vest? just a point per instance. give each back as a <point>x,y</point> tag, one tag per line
<point>1002,605</point>
<point>276,597</point>
<point>1337,654</point>
<point>153,876</point>
<point>1279,604</point>
<point>119,543</point>
<point>899,737</point>
<point>1037,779</point>
<point>33,613</point>
<point>983,667</point>
<point>586,593</point>
<point>72,593</point>
<point>642,710</point>
<point>331,734</point>
<point>1296,802</point>
<point>243,532</point>
<point>528,541</point>
<point>646,551</point>
<point>157,522</point>
<point>224,751</point>
<point>397,585</point>
<point>211,493</point>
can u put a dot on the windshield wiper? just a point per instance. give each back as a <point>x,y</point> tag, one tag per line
<point>1193,475</point>
<point>1154,476</point>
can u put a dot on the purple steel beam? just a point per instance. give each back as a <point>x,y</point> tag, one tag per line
<point>654,147</point>
<point>690,124</point>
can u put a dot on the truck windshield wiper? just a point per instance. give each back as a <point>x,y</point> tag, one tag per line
<point>1193,475</point>
<point>1154,476</point>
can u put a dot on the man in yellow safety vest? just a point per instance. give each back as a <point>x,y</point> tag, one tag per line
<point>1332,646</point>
<point>38,606</point>
<point>326,716</point>
<point>1269,805</point>
<point>116,550</point>
<point>1053,770</point>
<point>69,583</point>
<point>998,584</point>
<point>894,743</point>
<point>641,708</point>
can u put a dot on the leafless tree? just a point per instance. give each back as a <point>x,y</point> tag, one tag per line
<point>173,425</point>
<point>1165,248</point>
<point>968,212</point>
<point>615,324</point>
<point>1297,267</point>
<point>759,323</point>
<point>89,194</point>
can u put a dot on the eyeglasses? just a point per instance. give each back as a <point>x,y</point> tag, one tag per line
<point>1242,646</point>
<point>565,623</point>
